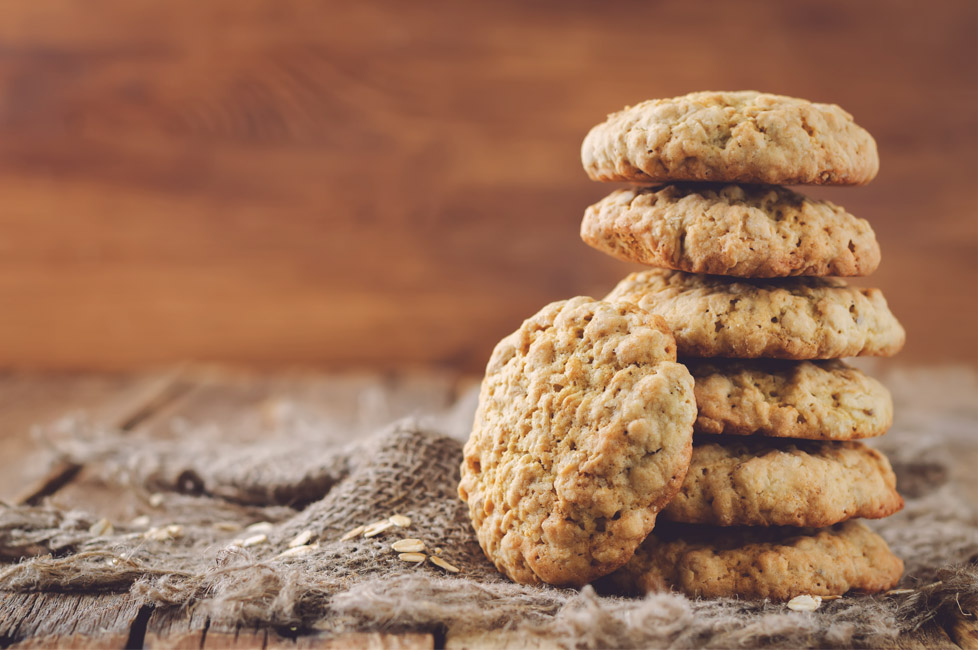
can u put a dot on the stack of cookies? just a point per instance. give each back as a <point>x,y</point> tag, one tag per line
<point>740,263</point>
<point>584,434</point>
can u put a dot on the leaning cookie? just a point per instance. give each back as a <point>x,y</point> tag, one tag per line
<point>756,563</point>
<point>818,400</point>
<point>750,231</point>
<point>582,435</point>
<point>789,318</point>
<point>771,482</point>
<point>731,137</point>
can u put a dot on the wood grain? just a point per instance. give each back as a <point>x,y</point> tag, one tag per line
<point>386,184</point>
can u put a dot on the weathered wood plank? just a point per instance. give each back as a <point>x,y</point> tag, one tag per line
<point>51,620</point>
<point>964,631</point>
<point>181,628</point>
<point>31,402</point>
<point>930,637</point>
<point>491,640</point>
<point>245,406</point>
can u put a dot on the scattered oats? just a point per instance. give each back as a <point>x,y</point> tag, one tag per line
<point>836,597</point>
<point>260,527</point>
<point>804,603</point>
<point>356,532</point>
<point>438,550</point>
<point>227,526</point>
<point>101,527</point>
<point>898,592</point>
<point>296,551</point>
<point>376,528</point>
<point>437,561</point>
<point>408,545</point>
<point>400,521</point>
<point>164,533</point>
<point>156,499</point>
<point>141,521</point>
<point>301,539</point>
<point>254,540</point>
<point>412,557</point>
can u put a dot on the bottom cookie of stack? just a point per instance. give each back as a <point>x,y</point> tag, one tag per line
<point>756,562</point>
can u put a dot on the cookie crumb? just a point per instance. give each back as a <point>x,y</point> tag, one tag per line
<point>376,528</point>
<point>101,527</point>
<point>356,532</point>
<point>164,533</point>
<point>408,545</point>
<point>437,561</point>
<point>301,539</point>
<point>805,603</point>
<point>297,551</point>
<point>400,521</point>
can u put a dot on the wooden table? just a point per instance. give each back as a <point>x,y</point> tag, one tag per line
<point>241,404</point>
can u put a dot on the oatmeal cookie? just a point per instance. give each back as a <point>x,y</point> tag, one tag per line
<point>731,137</point>
<point>818,400</point>
<point>582,434</point>
<point>756,563</point>
<point>751,231</point>
<point>788,318</point>
<point>778,482</point>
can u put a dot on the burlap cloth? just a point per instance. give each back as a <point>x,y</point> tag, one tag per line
<point>316,479</point>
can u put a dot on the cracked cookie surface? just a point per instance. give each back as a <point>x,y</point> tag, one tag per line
<point>787,318</point>
<point>818,400</point>
<point>731,137</point>
<point>775,563</point>
<point>582,435</point>
<point>777,482</point>
<point>751,231</point>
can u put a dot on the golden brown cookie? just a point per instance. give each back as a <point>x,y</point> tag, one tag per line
<point>777,482</point>
<point>751,231</point>
<point>582,434</point>
<point>731,137</point>
<point>755,563</point>
<point>819,400</point>
<point>788,318</point>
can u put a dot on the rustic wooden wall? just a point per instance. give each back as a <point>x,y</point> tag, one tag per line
<point>390,183</point>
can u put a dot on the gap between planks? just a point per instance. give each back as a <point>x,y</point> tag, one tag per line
<point>148,399</point>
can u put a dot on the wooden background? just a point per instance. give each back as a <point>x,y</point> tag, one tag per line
<point>388,184</point>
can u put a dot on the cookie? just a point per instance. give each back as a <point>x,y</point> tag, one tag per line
<point>819,400</point>
<point>731,137</point>
<point>777,482</point>
<point>788,318</point>
<point>582,435</point>
<point>756,563</point>
<point>751,231</point>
